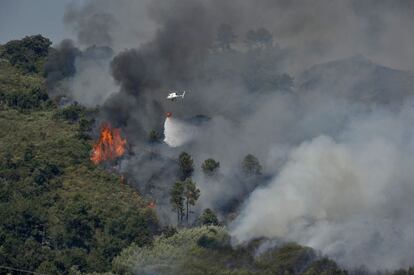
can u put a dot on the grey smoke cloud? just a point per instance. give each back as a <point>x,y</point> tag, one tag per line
<point>345,195</point>
<point>119,25</point>
<point>92,84</point>
<point>83,76</point>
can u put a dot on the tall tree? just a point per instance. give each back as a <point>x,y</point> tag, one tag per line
<point>210,166</point>
<point>251,165</point>
<point>186,165</point>
<point>225,36</point>
<point>191,194</point>
<point>177,199</point>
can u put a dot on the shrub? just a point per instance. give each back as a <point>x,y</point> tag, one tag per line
<point>208,218</point>
<point>207,242</point>
<point>28,53</point>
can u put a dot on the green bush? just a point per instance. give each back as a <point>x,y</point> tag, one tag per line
<point>208,218</point>
<point>167,255</point>
<point>291,258</point>
<point>208,242</point>
<point>27,54</point>
<point>30,99</point>
<point>71,113</point>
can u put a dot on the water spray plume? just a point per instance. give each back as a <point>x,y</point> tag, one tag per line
<point>109,146</point>
<point>177,132</point>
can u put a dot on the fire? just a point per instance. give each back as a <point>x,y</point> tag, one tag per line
<point>109,146</point>
<point>152,205</point>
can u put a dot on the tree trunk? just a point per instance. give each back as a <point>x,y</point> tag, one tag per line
<point>187,211</point>
<point>178,217</point>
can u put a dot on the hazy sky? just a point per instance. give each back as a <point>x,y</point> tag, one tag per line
<point>19,18</point>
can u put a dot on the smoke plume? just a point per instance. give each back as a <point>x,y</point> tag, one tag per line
<point>83,76</point>
<point>343,195</point>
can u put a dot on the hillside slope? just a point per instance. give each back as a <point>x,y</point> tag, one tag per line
<point>58,211</point>
<point>358,79</point>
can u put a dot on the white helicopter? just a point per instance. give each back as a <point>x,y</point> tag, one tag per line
<point>173,96</point>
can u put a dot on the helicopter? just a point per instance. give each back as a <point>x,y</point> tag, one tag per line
<point>174,95</point>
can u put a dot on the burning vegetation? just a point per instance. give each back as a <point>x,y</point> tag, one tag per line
<point>152,204</point>
<point>109,146</point>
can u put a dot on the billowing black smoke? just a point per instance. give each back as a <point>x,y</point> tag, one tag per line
<point>169,61</point>
<point>61,63</point>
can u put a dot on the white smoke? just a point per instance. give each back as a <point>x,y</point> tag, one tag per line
<point>350,197</point>
<point>92,84</point>
<point>177,132</point>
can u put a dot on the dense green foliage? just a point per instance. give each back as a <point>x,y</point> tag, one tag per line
<point>58,212</point>
<point>55,205</point>
<point>208,217</point>
<point>27,54</point>
<point>21,91</point>
<point>207,250</point>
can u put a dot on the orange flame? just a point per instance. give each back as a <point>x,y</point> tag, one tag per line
<point>109,146</point>
<point>152,205</point>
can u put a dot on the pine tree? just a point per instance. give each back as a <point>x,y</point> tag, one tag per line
<point>208,218</point>
<point>177,199</point>
<point>186,165</point>
<point>251,165</point>
<point>210,166</point>
<point>191,194</point>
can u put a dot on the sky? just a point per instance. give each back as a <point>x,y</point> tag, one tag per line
<point>19,18</point>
